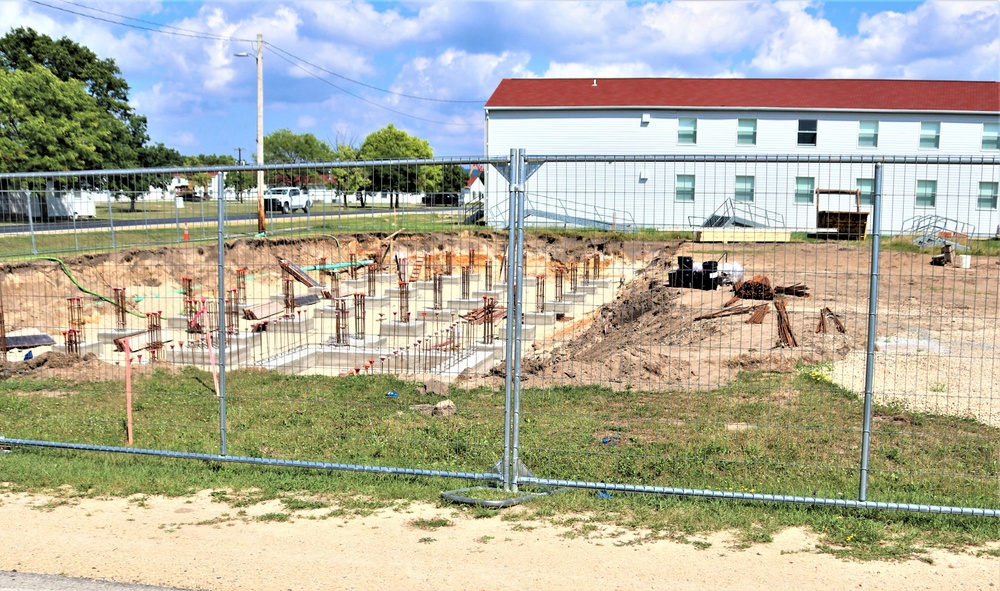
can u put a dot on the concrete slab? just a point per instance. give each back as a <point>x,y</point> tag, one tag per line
<point>540,318</point>
<point>391,328</point>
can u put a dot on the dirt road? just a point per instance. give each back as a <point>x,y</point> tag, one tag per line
<point>194,542</point>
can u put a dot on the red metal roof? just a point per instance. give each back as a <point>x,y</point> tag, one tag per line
<point>750,93</point>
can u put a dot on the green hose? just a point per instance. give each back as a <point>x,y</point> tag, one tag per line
<point>84,289</point>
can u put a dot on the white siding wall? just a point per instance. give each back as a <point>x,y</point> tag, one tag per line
<point>643,193</point>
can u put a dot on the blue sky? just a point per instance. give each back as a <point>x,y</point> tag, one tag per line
<point>342,69</point>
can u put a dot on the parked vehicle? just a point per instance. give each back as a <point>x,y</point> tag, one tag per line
<point>445,199</point>
<point>286,199</point>
<point>187,193</point>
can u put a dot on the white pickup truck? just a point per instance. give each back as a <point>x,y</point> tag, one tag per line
<point>286,199</point>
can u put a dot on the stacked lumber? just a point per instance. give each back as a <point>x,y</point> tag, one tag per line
<point>732,301</point>
<point>800,290</point>
<point>478,316</point>
<point>757,287</point>
<point>760,312</point>
<point>785,336</point>
<point>827,313</point>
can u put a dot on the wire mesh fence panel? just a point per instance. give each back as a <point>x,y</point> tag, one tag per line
<point>726,352</point>
<point>336,335</point>
<point>936,414</point>
<point>694,325</point>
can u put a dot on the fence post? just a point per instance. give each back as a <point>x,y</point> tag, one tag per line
<point>31,223</point>
<point>111,220</point>
<point>518,261</point>
<point>221,340</point>
<point>509,335</point>
<point>870,339</point>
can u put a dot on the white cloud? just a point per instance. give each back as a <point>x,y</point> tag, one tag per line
<point>926,42</point>
<point>454,51</point>
<point>619,70</point>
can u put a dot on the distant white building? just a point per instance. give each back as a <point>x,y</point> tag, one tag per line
<point>662,116</point>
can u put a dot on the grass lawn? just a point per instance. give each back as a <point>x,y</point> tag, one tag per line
<point>808,445</point>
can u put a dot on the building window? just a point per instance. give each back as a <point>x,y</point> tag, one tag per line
<point>807,132</point>
<point>746,132</point>
<point>987,195</point>
<point>926,193</point>
<point>804,187</point>
<point>930,134</point>
<point>684,190</point>
<point>868,134</point>
<point>687,131</point>
<point>744,188</point>
<point>991,136</point>
<point>867,188</point>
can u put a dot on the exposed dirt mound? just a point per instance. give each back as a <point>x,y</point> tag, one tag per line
<point>647,338</point>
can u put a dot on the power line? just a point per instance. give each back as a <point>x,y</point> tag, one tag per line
<point>399,94</point>
<point>177,31</point>
<point>370,102</point>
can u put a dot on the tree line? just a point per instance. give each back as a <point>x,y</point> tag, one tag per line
<point>63,108</point>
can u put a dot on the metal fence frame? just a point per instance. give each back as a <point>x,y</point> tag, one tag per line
<point>511,474</point>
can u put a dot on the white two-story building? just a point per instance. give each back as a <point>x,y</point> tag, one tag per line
<point>648,123</point>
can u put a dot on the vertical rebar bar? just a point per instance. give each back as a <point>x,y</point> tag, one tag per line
<point>489,308</point>
<point>488,275</point>
<point>241,286</point>
<point>119,296</point>
<point>574,281</point>
<point>370,274</point>
<point>289,294</point>
<point>404,301</point>
<point>597,266</point>
<point>359,315</point>
<point>447,263</point>
<point>438,289</point>
<point>341,333</point>
<point>76,313</point>
<point>466,280</point>
<point>560,271</point>
<point>540,293</point>
<point>334,285</point>
<point>154,337</point>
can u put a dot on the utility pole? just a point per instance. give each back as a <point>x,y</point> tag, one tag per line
<point>259,56</point>
<point>261,222</point>
<point>239,175</point>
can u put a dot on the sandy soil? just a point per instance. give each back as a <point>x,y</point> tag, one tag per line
<point>937,326</point>
<point>196,543</point>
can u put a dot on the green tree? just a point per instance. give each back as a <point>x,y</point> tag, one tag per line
<point>454,178</point>
<point>155,156</point>
<point>350,181</point>
<point>47,124</point>
<point>390,143</point>
<point>284,147</point>
<point>23,48</point>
